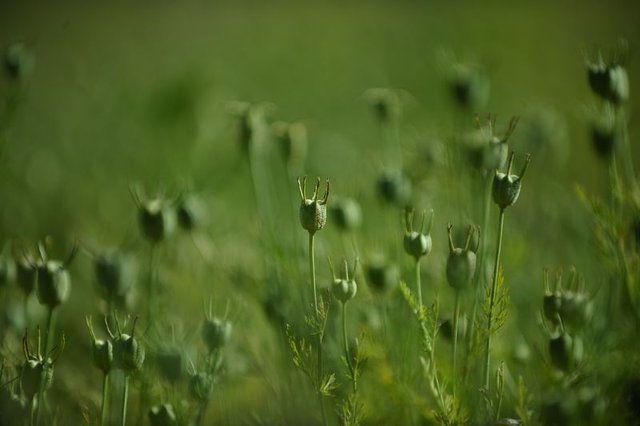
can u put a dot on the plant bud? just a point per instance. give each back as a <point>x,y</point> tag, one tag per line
<point>346,214</point>
<point>26,275</point>
<point>190,212</point>
<point>469,86</point>
<point>201,387</point>
<point>128,353</point>
<point>171,364</point>
<point>393,187</point>
<point>114,274</point>
<point>102,353</point>
<point>575,309</point>
<point>382,277</point>
<point>506,186</point>
<point>162,415</point>
<point>313,211</point>
<point>54,283</point>
<point>216,333</point>
<point>417,244</point>
<point>551,303</point>
<point>609,80</point>
<point>32,375</point>
<point>156,220</point>
<point>344,288</point>
<point>461,263</point>
<point>566,352</point>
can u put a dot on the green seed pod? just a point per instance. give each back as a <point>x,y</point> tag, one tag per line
<point>201,387</point>
<point>461,263</point>
<point>171,364</point>
<point>216,333</point>
<point>32,375</point>
<point>156,220</point>
<point>598,77</point>
<point>551,303</point>
<point>382,276</point>
<point>417,244</point>
<point>575,309</point>
<point>26,275</point>
<point>385,103</point>
<point>54,283</point>
<point>102,353</point>
<point>469,86</point>
<point>566,351</point>
<point>162,415</point>
<point>346,214</point>
<point>393,187</point>
<point>609,80</point>
<point>344,288</point>
<point>506,186</point>
<point>128,353</point>
<point>114,273</point>
<point>191,212</point>
<point>313,211</point>
<point>18,60</point>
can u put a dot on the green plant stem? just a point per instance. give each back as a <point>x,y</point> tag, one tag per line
<point>202,409</point>
<point>150,292</point>
<point>352,371</point>
<point>105,393</point>
<point>125,396</point>
<point>456,317</point>
<point>494,285</point>
<point>47,343</point>
<point>418,282</point>
<point>312,272</point>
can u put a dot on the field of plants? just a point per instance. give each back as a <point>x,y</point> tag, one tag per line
<point>332,213</point>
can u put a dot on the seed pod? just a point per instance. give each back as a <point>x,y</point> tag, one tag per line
<point>162,415</point>
<point>461,263</point>
<point>417,244</point>
<point>102,353</point>
<point>469,86</point>
<point>190,212</point>
<point>32,375</point>
<point>128,353</point>
<point>394,188</point>
<point>551,303</point>
<point>382,276</point>
<point>385,102</point>
<point>171,364</point>
<point>598,77</point>
<point>566,351</point>
<point>156,220</point>
<point>605,136</point>
<point>575,309</point>
<point>506,186</point>
<point>54,283</point>
<point>313,211</point>
<point>346,214</point>
<point>216,333</point>
<point>344,288</point>
<point>114,274</point>
<point>201,387</point>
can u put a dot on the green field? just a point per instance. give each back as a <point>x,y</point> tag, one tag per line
<point>150,154</point>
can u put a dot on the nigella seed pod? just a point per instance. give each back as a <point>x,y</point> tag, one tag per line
<point>162,415</point>
<point>216,333</point>
<point>551,303</point>
<point>506,186</point>
<point>344,288</point>
<point>469,86</point>
<point>313,211</point>
<point>393,187</point>
<point>382,276</point>
<point>598,77</point>
<point>128,353</point>
<point>26,274</point>
<point>417,244</point>
<point>385,103</point>
<point>114,274</point>
<point>604,135</point>
<point>565,351</point>
<point>346,214</point>
<point>609,80</point>
<point>102,353</point>
<point>156,220</point>
<point>54,283</point>
<point>33,373</point>
<point>190,212</point>
<point>201,387</point>
<point>171,364</point>
<point>575,309</point>
<point>461,263</point>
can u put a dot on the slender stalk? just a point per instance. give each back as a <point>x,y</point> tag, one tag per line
<point>487,358</point>
<point>418,282</point>
<point>456,317</point>
<point>105,392</point>
<point>125,396</point>
<point>47,342</point>
<point>312,271</point>
<point>150,292</point>
<point>354,378</point>
<point>202,409</point>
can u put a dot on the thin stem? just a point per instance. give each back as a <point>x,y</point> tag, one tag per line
<point>47,342</point>
<point>125,396</point>
<point>312,272</point>
<point>202,409</point>
<point>487,359</point>
<point>150,292</point>
<point>354,379</point>
<point>456,316</point>
<point>418,282</point>
<point>105,393</point>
